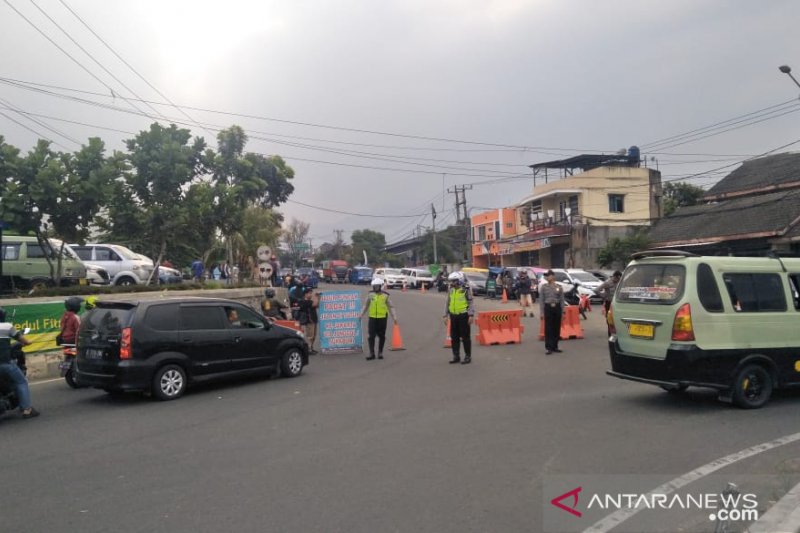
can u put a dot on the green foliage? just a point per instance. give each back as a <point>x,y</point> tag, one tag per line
<point>680,195</point>
<point>366,240</point>
<point>617,252</point>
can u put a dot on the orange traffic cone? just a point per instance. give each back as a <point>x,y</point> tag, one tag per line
<point>397,340</point>
<point>505,296</point>
<point>448,342</point>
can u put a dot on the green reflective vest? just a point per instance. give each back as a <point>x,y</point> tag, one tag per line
<point>458,302</point>
<point>378,307</point>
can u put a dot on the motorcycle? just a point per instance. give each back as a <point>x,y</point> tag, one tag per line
<point>67,365</point>
<point>8,393</point>
<point>580,296</point>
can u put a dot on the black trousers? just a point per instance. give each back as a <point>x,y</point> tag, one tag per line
<point>377,327</point>
<point>552,326</point>
<point>460,334</point>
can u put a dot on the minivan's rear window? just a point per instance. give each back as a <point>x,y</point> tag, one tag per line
<point>107,322</point>
<point>656,284</point>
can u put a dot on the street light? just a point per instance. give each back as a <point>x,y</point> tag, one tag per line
<point>786,69</point>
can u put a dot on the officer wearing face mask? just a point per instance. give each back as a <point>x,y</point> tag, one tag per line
<point>459,310</point>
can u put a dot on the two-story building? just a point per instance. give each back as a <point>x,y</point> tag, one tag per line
<point>584,201</point>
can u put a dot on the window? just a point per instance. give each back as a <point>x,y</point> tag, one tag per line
<point>707,289</point>
<point>794,285</point>
<point>497,229</point>
<point>243,318</point>
<point>35,251</point>
<point>616,203</point>
<point>84,252</point>
<point>106,254</point>
<point>481,233</point>
<point>202,317</point>
<point>755,292</point>
<point>10,252</point>
<point>652,284</point>
<point>162,317</point>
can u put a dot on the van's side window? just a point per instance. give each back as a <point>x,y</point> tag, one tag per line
<point>755,292</point>
<point>794,286</point>
<point>10,252</point>
<point>202,317</point>
<point>162,317</point>
<point>35,251</point>
<point>707,289</point>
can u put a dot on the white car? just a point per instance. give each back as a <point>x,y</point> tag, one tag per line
<point>124,266</point>
<point>417,278</point>
<point>392,277</point>
<point>97,275</point>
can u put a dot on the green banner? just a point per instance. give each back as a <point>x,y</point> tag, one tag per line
<point>44,319</point>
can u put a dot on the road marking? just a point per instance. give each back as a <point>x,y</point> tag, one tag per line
<point>45,381</point>
<point>616,518</point>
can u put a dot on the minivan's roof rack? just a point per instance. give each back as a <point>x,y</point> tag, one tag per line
<point>662,253</point>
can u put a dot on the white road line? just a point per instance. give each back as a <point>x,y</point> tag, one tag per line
<point>616,518</point>
<point>44,381</point>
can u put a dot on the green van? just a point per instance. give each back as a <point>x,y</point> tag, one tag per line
<point>25,265</point>
<point>727,323</point>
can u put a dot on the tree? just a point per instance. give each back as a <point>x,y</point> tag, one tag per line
<point>295,238</point>
<point>147,206</point>
<point>617,252</point>
<point>367,240</point>
<point>681,195</point>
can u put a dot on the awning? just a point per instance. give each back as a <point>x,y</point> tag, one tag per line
<point>554,192</point>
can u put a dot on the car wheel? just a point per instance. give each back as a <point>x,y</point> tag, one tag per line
<point>40,284</point>
<point>292,363</point>
<point>752,387</point>
<point>126,281</point>
<point>169,382</point>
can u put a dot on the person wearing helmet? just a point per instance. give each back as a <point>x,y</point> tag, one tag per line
<point>459,309</point>
<point>91,303</point>
<point>272,307</point>
<point>379,307</point>
<point>70,321</point>
<point>10,369</point>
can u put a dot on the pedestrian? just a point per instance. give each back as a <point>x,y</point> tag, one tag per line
<point>379,307</point>
<point>10,369</point>
<point>224,272</point>
<point>272,307</point>
<point>197,270</point>
<point>276,268</point>
<point>608,288</point>
<point>524,292</point>
<point>551,306</point>
<point>307,316</point>
<point>215,271</point>
<point>459,309</point>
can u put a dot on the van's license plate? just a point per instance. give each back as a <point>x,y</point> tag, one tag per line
<point>642,331</point>
<point>93,353</point>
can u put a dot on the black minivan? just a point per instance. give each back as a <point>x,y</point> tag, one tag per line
<point>162,346</point>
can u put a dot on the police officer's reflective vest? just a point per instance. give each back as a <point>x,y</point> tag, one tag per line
<point>458,302</point>
<point>378,307</point>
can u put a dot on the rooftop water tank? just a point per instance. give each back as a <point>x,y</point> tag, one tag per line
<point>634,154</point>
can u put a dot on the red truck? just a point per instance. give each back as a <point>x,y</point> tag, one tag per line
<point>335,271</point>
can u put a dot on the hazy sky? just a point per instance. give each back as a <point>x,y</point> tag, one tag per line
<point>358,96</point>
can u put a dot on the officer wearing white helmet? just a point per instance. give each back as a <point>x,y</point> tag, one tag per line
<point>459,310</point>
<point>379,307</point>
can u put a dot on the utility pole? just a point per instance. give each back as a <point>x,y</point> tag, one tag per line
<point>461,204</point>
<point>433,216</point>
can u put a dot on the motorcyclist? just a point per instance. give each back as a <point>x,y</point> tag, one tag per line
<point>90,303</point>
<point>272,307</point>
<point>70,321</point>
<point>10,369</point>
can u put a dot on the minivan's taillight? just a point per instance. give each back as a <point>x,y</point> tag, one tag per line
<point>125,344</point>
<point>612,329</point>
<point>682,329</point>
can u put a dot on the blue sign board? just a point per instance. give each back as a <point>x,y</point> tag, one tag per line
<point>340,322</point>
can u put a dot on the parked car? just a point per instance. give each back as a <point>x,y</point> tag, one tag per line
<point>392,277</point>
<point>25,264</point>
<point>568,278</point>
<point>169,276</point>
<point>417,278</point>
<point>309,276</point>
<point>164,346</point>
<point>680,320</point>
<point>476,282</point>
<point>360,274</point>
<point>124,266</point>
<point>96,274</point>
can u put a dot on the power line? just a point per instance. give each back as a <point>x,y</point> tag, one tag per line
<point>350,213</point>
<point>12,107</point>
<point>18,123</point>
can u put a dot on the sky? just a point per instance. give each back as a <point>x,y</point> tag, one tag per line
<point>381,107</point>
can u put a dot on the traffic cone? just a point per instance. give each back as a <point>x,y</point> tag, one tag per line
<point>423,287</point>
<point>448,342</point>
<point>405,289</point>
<point>505,296</point>
<point>397,340</point>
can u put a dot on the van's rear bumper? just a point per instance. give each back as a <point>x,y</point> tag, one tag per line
<point>684,365</point>
<point>122,378</point>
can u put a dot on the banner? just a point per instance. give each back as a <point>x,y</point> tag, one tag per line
<point>44,319</point>
<point>340,322</point>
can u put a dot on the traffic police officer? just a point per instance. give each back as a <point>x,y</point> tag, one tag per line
<point>379,307</point>
<point>460,310</point>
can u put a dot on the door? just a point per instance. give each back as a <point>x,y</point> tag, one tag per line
<point>207,339</point>
<point>253,342</point>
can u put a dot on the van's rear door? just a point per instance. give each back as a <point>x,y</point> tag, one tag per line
<point>100,336</point>
<point>644,307</point>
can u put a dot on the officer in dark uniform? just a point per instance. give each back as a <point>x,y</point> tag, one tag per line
<point>551,305</point>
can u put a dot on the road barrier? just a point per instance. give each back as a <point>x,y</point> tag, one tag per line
<point>293,324</point>
<point>570,324</point>
<point>499,327</point>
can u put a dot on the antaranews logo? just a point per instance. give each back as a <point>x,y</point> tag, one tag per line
<point>573,494</point>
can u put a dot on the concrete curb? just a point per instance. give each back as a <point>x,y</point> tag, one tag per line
<point>783,517</point>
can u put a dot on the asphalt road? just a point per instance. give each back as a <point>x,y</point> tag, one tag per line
<point>409,443</point>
